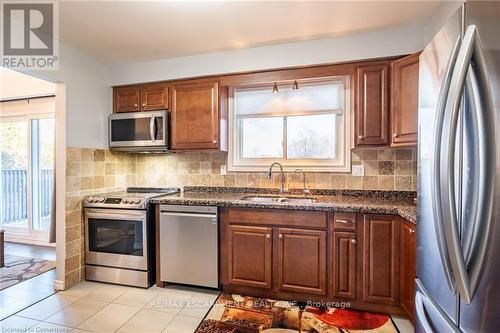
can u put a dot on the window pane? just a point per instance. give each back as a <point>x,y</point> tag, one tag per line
<point>311,136</point>
<point>46,153</point>
<point>14,178</point>
<point>311,96</point>
<point>262,137</point>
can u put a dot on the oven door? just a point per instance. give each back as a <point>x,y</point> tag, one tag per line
<point>116,238</point>
<point>134,130</point>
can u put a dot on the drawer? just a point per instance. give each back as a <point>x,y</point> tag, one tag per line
<point>344,221</point>
<point>278,217</point>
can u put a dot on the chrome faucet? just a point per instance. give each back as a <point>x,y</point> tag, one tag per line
<point>270,174</point>
<point>305,190</point>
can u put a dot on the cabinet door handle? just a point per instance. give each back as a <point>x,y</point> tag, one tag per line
<point>345,221</point>
<point>268,236</point>
<point>280,236</point>
<point>353,241</point>
<point>395,135</point>
<point>135,105</point>
<point>411,231</point>
<point>361,137</point>
<point>143,105</point>
<point>214,142</point>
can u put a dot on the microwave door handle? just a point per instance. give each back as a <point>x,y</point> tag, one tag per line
<point>152,128</point>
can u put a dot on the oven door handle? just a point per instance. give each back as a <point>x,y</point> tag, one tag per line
<point>108,213</point>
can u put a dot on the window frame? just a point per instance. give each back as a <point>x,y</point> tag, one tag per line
<point>28,110</point>
<point>342,164</point>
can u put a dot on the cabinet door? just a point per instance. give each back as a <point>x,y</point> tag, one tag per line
<point>381,259</point>
<point>301,260</point>
<point>372,112</point>
<point>344,264</point>
<point>408,268</point>
<point>249,256</point>
<point>127,99</point>
<point>154,97</point>
<point>195,116</point>
<point>404,101</point>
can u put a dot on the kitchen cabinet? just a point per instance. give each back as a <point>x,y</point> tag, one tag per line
<point>301,260</point>
<point>372,105</point>
<point>344,264</point>
<point>195,116</point>
<point>126,99</point>
<point>249,256</point>
<point>408,267</point>
<point>140,98</point>
<point>404,101</point>
<point>316,256</point>
<point>380,269</point>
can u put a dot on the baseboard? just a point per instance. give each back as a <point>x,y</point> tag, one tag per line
<point>59,285</point>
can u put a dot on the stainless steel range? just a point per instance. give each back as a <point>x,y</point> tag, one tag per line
<point>119,236</point>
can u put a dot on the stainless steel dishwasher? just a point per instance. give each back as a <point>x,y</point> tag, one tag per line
<point>189,245</point>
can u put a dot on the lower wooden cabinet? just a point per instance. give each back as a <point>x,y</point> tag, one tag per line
<point>344,264</point>
<point>408,267</point>
<point>381,259</point>
<point>365,259</point>
<point>249,256</point>
<point>301,260</point>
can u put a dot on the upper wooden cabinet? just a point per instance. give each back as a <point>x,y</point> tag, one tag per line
<point>381,238</point>
<point>127,99</point>
<point>195,116</point>
<point>372,105</point>
<point>141,98</point>
<point>408,267</point>
<point>404,101</point>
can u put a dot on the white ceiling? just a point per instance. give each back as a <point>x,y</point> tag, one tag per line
<point>129,31</point>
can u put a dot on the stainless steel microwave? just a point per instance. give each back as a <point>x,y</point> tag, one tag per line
<point>139,131</point>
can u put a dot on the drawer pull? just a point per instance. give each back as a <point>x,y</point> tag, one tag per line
<point>345,221</point>
<point>280,236</point>
<point>353,241</point>
<point>268,236</point>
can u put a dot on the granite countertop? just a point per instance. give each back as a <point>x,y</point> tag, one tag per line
<point>379,202</point>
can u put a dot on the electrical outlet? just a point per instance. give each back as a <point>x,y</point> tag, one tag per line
<point>358,170</point>
<point>223,170</point>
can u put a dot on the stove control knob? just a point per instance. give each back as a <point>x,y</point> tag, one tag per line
<point>99,199</point>
<point>125,201</point>
<point>90,199</point>
<point>136,201</point>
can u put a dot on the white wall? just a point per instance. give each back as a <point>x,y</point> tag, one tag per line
<point>88,97</point>
<point>382,43</point>
<point>440,16</point>
<point>17,85</point>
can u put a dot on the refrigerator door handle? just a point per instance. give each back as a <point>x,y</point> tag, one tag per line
<point>469,51</point>
<point>425,305</point>
<point>437,206</point>
<point>479,89</point>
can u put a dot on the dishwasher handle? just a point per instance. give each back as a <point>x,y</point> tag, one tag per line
<point>212,216</point>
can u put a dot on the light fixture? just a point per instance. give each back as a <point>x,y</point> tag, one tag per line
<point>295,85</point>
<point>275,88</point>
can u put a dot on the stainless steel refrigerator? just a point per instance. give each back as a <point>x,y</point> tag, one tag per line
<point>458,227</point>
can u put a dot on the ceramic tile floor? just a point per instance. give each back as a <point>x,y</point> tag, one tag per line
<point>26,293</point>
<point>98,307</point>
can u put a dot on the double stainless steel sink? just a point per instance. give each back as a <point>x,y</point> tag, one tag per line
<point>279,200</point>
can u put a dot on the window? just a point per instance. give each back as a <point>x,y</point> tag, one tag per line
<point>27,133</point>
<point>304,128</point>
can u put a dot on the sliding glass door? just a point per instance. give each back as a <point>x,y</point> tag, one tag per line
<point>27,159</point>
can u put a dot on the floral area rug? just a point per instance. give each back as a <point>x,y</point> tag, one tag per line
<point>19,269</point>
<point>241,314</point>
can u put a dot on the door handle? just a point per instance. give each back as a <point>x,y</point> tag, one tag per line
<point>152,128</point>
<point>422,317</point>
<point>470,53</point>
<point>437,206</point>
